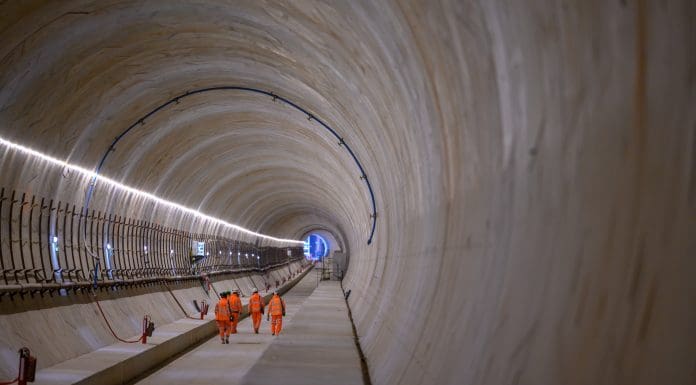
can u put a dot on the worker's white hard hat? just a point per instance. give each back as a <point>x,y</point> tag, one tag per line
<point>256,290</point>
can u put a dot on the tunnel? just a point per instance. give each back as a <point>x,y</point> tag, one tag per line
<point>508,189</point>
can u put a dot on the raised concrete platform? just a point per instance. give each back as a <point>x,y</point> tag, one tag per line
<point>116,364</point>
<point>122,362</point>
<point>213,362</point>
<point>316,348</point>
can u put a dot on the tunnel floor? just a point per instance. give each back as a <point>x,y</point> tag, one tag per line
<point>315,347</point>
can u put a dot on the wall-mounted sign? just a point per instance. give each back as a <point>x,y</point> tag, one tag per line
<point>198,249</point>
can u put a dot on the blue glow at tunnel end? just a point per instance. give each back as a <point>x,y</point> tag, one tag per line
<point>315,247</point>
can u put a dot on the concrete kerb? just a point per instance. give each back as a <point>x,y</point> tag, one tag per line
<point>149,357</point>
<point>356,338</point>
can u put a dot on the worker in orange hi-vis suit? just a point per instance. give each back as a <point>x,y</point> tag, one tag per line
<point>236,308</point>
<point>276,310</point>
<point>256,309</point>
<point>222,317</point>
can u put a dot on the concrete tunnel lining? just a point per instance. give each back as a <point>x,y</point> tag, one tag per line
<point>533,163</point>
<point>176,100</point>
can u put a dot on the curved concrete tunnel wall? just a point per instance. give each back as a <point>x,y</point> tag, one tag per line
<point>533,163</point>
<point>59,328</point>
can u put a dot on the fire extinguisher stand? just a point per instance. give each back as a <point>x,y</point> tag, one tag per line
<point>204,308</point>
<point>148,328</point>
<point>27,368</point>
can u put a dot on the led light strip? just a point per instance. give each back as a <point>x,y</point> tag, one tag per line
<point>136,192</point>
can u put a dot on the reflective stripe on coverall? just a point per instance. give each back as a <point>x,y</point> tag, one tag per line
<point>276,310</point>
<point>236,308</point>
<point>256,309</point>
<point>222,317</point>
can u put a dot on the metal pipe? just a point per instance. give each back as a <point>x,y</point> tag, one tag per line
<point>310,116</point>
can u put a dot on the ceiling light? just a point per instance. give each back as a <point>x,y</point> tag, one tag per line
<point>142,194</point>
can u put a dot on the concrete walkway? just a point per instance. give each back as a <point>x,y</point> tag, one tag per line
<point>316,346</point>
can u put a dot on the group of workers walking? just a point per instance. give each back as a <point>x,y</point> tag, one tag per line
<point>229,309</point>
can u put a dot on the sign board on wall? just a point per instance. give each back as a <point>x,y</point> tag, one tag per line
<point>197,251</point>
<point>199,248</point>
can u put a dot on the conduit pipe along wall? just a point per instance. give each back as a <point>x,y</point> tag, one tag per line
<point>276,98</point>
<point>534,161</point>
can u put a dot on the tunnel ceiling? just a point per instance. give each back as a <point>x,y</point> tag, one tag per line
<point>76,74</point>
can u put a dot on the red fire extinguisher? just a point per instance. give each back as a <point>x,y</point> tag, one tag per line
<point>148,328</point>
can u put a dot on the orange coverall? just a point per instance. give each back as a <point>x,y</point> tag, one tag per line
<point>276,310</point>
<point>256,309</point>
<point>222,316</point>
<point>236,308</point>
